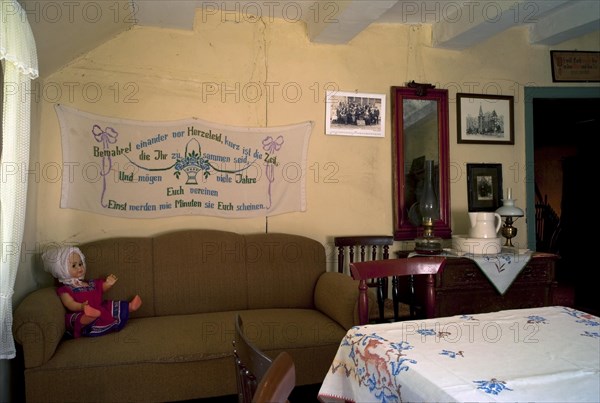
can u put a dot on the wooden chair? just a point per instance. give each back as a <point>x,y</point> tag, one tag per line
<point>363,248</point>
<point>259,378</point>
<point>395,268</point>
<point>278,382</point>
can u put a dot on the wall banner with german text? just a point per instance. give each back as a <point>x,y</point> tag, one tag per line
<point>140,169</point>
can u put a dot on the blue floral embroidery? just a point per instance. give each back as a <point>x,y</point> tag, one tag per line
<point>536,319</point>
<point>452,354</point>
<point>589,322</point>
<point>375,363</point>
<point>594,335</point>
<point>493,386</point>
<point>426,332</point>
<point>372,336</point>
<point>192,160</point>
<point>399,366</point>
<point>384,398</point>
<point>582,317</point>
<point>497,260</point>
<point>403,345</point>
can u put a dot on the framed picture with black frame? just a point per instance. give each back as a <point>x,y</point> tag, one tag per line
<point>484,187</point>
<point>485,119</point>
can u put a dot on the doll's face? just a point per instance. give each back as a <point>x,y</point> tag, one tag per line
<point>76,267</point>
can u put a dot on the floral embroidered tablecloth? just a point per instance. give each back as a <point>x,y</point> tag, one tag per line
<point>548,354</point>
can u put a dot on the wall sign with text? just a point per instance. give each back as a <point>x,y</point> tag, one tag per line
<point>139,169</point>
<point>575,66</point>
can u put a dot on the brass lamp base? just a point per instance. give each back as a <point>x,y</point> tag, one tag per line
<point>428,244</point>
<point>508,232</point>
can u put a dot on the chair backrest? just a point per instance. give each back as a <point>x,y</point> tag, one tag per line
<point>395,268</point>
<point>259,378</point>
<point>361,248</point>
<point>278,382</point>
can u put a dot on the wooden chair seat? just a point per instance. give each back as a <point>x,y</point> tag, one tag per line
<point>388,311</point>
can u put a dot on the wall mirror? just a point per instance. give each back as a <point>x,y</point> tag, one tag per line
<point>419,133</point>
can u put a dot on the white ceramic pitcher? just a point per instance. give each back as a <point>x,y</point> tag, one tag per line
<point>483,225</point>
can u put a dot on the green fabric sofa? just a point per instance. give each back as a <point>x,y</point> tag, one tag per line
<point>178,345</point>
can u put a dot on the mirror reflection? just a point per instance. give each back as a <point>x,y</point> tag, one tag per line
<point>420,134</point>
<point>419,119</point>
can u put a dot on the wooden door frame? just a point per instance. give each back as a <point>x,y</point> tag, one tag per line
<point>530,94</point>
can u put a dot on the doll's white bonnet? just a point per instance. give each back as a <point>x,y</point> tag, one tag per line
<point>56,262</point>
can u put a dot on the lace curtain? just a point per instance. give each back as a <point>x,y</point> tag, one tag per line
<point>19,61</point>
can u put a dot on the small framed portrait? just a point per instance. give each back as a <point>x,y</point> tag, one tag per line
<point>355,114</point>
<point>484,187</point>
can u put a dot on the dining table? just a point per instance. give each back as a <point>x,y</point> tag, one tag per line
<point>543,354</point>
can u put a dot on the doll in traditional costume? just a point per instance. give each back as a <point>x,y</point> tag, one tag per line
<point>88,313</point>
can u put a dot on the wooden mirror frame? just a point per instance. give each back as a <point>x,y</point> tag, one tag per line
<point>403,228</point>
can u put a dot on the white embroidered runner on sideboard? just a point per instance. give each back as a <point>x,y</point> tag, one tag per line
<point>501,269</point>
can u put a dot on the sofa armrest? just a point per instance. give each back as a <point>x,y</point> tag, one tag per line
<point>336,295</point>
<point>39,325</point>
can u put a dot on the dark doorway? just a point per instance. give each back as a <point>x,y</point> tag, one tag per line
<point>566,175</point>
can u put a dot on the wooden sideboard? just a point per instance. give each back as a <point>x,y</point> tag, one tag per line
<point>460,287</point>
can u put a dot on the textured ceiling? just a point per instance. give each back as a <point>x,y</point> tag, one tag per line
<point>66,30</point>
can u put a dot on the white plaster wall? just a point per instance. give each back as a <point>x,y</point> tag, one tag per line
<point>155,74</point>
<point>158,74</point>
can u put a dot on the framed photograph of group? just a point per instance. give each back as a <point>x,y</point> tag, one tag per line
<point>485,119</point>
<point>484,187</point>
<point>355,114</point>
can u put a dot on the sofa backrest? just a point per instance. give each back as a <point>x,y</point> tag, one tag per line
<point>199,271</point>
<point>282,270</point>
<point>130,259</point>
<point>195,271</point>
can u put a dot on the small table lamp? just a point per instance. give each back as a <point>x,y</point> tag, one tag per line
<point>509,211</point>
<point>428,244</point>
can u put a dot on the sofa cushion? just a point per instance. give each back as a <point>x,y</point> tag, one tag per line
<point>310,337</point>
<point>275,330</point>
<point>183,356</point>
<point>199,271</point>
<point>182,338</point>
<point>282,270</point>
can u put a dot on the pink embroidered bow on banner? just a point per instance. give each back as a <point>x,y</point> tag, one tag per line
<point>106,137</point>
<point>271,145</point>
